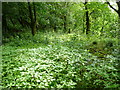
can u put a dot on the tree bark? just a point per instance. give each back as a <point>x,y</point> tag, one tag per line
<point>87,18</point>
<point>32,17</point>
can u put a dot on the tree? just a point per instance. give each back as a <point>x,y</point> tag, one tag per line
<point>118,4</point>
<point>87,18</point>
<point>9,16</point>
<point>118,12</point>
<point>58,16</point>
<point>32,16</point>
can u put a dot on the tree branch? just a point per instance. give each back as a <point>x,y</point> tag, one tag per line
<point>111,6</point>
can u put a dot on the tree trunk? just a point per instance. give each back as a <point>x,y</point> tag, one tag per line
<point>87,18</point>
<point>65,17</point>
<point>65,24</point>
<point>87,23</point>
<point>33,19</point>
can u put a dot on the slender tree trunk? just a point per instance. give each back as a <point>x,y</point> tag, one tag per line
<point>32,17</point>
<point>87,23</point>
<point>87,18</point>
<point>65,17</point>
<point>65,24</point>
<point>34,20</point>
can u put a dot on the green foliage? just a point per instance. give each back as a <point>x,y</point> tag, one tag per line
<point>60,55</point>
<point>60,63</point>
<point>60,16</point>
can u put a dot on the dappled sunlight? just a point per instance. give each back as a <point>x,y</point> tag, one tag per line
<point>60,45</point>
<point>57,65</point>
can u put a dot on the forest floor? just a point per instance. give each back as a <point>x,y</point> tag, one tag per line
<point>54,60</point>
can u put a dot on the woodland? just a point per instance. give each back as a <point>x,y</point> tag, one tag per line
<point>60,45</point>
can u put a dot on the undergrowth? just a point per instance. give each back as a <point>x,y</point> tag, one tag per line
<point>59,61</point>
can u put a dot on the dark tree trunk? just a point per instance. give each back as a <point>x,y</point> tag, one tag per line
<point>65,23</point>
<point>87,18</point>
<point>32,17</point>
<point>34,20</point>
<point>87,23</point>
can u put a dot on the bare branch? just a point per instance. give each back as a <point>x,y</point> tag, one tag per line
<point>111,6</point>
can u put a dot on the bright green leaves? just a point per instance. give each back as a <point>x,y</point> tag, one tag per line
<point>55,60</point>
<point>59,67</point>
